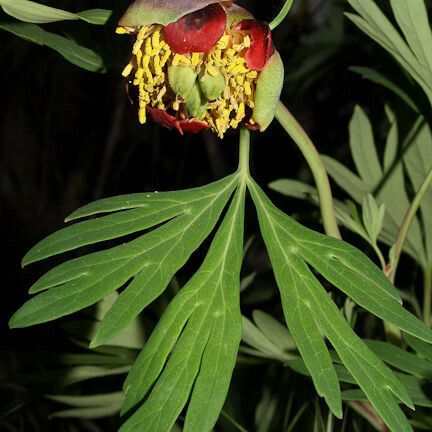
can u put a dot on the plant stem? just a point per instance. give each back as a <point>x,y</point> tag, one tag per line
<point>310,153</point>
<point>244,151</point>
<point>407,222</point>
<point>427,296</point>
<point>282,14</point>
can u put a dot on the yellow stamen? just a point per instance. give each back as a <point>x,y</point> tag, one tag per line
<point>151,55</point>
<point>127,70</point>
<point>121,30</point>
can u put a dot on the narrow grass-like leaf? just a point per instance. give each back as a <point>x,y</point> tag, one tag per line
<point>206,350</point>
<point>363,148</point>
<point>89,413</point>
<point>89,401</point>
<point>69,49</point>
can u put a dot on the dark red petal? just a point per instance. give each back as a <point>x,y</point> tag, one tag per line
<point>262,47</point>
<point>194,127</point>
<point>170,122</point>
<point>198,31</point>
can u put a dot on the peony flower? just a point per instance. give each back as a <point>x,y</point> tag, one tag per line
<point>201,64</point>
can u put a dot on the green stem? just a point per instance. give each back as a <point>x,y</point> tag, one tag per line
<point>282,14</point>
<point>427,296</point>
<point>310,153</point>
<point>407,222</point>
<point>244,151</point>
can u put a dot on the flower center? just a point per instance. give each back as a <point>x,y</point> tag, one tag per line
<point>148,71</point>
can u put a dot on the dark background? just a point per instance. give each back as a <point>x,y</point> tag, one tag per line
<point>68,137</point>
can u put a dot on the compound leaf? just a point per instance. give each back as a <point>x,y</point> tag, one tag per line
<point>81,282</point>
<point>201,329</point>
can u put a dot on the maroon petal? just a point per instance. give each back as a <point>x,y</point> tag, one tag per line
<point>262,47</point>
<point>198,31</point>
<point>170,122</point>
<point>193,127</point>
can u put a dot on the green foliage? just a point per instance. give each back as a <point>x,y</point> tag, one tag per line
<point>187,361</point>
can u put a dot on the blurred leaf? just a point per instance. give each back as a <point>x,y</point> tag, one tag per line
<point>97,400</point>
<point>400,359</point>
<point>88,413</point>
<point>32,12</point>
<point>419,391</point>
<point>419,346</point>
<point>373,217</point>
<point>273,330</point>
<point>372,21</point>
<point>363,149</point>
<point>418,162</point>
<point>254,337</point>
<point>70,50</point>
<point>346,179</point>
<point>378,78</point>
<point>412,17</point>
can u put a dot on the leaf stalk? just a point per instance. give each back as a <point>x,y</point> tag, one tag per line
<point>310,153</point>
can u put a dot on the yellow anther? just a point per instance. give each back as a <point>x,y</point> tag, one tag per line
<point>139,74</point>
<point>252,75</point>
<point>142,115</point>
<point>165,57</point>
<point>157,67</point>
<point>237,47</point>
<point>247,41</point>
<point>162,93</point>
<point>223,42</point>
<point>239,69</point>
<point>176,105</point>
<point>213,71</point>
<point>156,39</point>
<point>121,30</point>
<point>195,59</point>
<point>240,79</point>
<point>185,60</point>
<point>149,76</point>
<point>146,61</point>
<point>127,70</point>
<point>176,60</point>
<point>142,33</point>
<point>241,112</point>
<point>148,47</point>
<point>248,88</point>
<point>231,53</point>
<point>139,56</point>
